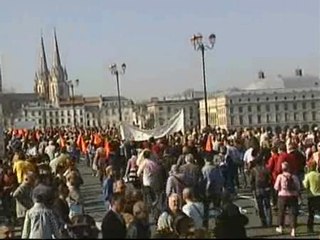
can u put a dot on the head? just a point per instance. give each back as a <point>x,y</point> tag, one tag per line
<point>185,150</point>
<point>189,158</point>
<point>285,167</point>
<point>140,211</point>
<point>282,147</point>
<point>29,178</point>
<point>109,171</point>
<point>117,202</point>
<point>187,194</point>
<point>120,187</point>
<point>147,154</point>
<point>174,202</point>
<point>134,152</point>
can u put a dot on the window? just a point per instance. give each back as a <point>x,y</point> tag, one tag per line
<point>69,113</point>
<point>80,112</point>
<point>32,113</point>
<point>285,98</point>
<point>285,106</point>
<point>267,99</point>
<point>258,108</point>
<point>248,99</point>
<point>277,107</point>
<point>312,96</point>
<point>240,120</point>
<point>69,121</point>
<point>39,113</point>
<point>294,106</point>
<point>304,116</point>
<point>294,98</point>
<point>295,116</point>
<point>286,117</point>
<point>62,113</point>
<point>232,120</point>
<point>230,101</point>
<point>268,108</point>
<point>277,117</point>
<point>276,98</point>
<point>313,116</point>
<point>169,109</point>
<point>51,121</point>
<point>50,114</point>
<point>40,121</point>
<point>303,105</point>
<point>160,108</point>
<point>313,105</point>
<point>240,109</point>
<point>303,96</point>
<point>57,113</point>
<point>81,120</point>
<point>259,119</point>
<point>239,99</point>
<point>268,118</point>
<point>231,110</point>
<point>258,99</point>
<point>250,119</point>
<point>249,108</point>
<point>62,121</point>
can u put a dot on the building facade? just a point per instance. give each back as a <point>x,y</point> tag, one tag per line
<point>285,102</point>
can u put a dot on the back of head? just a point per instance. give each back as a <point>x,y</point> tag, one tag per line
<point>285,167</point>
<point>189,158</point>
<point>147,154</point>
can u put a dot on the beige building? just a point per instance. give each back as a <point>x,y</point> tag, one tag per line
<point>282,102</point>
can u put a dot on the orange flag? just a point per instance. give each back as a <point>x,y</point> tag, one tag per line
<point>107,147</point>
<point>83,146</point>
<point>37,135</point>
<point>209,147</point>
<point>79,141</point>
<point>62,142</point>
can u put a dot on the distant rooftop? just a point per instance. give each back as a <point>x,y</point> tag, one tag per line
<point>297,81</point>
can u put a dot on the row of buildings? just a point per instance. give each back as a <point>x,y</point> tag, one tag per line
<point>268,102</point>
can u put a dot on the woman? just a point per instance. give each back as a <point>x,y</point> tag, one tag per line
<point>131,170</point>
<point>288,187</point>
<point>271,166</point>
<point>107,187</point>
<point>139,227</point>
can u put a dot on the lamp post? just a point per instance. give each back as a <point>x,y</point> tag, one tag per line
<point>72,84</point>
<point>114,71</point>
<point>199,45</point>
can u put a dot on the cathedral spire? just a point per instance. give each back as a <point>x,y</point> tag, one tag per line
<point>56,54</point>
<point>43,59</point>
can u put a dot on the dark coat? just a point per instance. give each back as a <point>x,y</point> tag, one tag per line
<point>112,227</point>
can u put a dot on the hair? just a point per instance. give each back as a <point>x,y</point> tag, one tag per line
<point>108,170</point>
<point>274,149</point>
<point>188,193</point>
<point>285,167</point>
<point>189,158</point>
<point>282,147</point>
<point>117,197</point>
<point>147,154</point>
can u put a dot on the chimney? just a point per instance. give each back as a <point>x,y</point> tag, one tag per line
<point>261,75</point>
<point>299,72</point>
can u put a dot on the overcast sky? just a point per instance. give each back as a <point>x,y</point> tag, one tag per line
<point>153,38</point>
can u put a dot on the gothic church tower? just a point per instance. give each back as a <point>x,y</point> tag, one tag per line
<point>52,86</point>
<point>42,75</point>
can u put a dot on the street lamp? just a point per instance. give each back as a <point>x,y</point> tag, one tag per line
<point>114,71</point>
<point>72,84</point>
<point>199,45</point>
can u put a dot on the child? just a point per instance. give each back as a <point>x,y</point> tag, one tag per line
<point>107,186</point>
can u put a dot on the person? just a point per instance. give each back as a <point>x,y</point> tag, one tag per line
<point>60,206</point>
<point>40,221</point>
<point>139,228</point>
<point>113,225</point>
<point>271,166</point>
<point>82,227</point>
<point>261,188</point>
<point>230,223</point>
<point>191,172</point>
<point>167,218</point>
<point>312,183</point>
<point>193,209</point>
<point>175,182</point>
<point>23,196</point>
<point>182,158</point>
<point>50,150</point>
<point>132,168</point>
<point>288,187</point>
<point>107,187</point>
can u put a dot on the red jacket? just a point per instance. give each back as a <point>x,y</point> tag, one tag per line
<point>271,166</point>
<point>292,160</point>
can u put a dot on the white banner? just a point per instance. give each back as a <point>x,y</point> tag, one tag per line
<point>175,124</point>
<point>24,125</point>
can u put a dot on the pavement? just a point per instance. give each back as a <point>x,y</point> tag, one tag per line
<point>94,206</point>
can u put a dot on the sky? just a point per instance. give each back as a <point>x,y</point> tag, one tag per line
<point>153,38</point>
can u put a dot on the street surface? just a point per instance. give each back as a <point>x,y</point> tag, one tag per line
<point>94,206</point>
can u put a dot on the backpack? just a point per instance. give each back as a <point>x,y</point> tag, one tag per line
<point>288,183</point>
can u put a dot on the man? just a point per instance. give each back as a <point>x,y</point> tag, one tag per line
<point>60,159</point>
<point>149,169</point>
<point>261,188</point>
<point>213,181</point>
<point>182,157</point>
<point>312,183</point>
<point>190,171</point>
<point>50,150</point>
<point>175,181</point>
<point>40,221</point>
<point>113,225</point>
<point>23,196</point>
<point>193,208</point>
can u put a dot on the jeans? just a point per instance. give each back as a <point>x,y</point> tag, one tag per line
<point>264,208</point>
<point>290,202</point>
<point>313,205</point>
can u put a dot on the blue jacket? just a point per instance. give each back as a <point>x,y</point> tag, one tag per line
<point>107,189</point>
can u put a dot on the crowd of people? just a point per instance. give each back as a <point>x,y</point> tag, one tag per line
<point>175,182</point>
